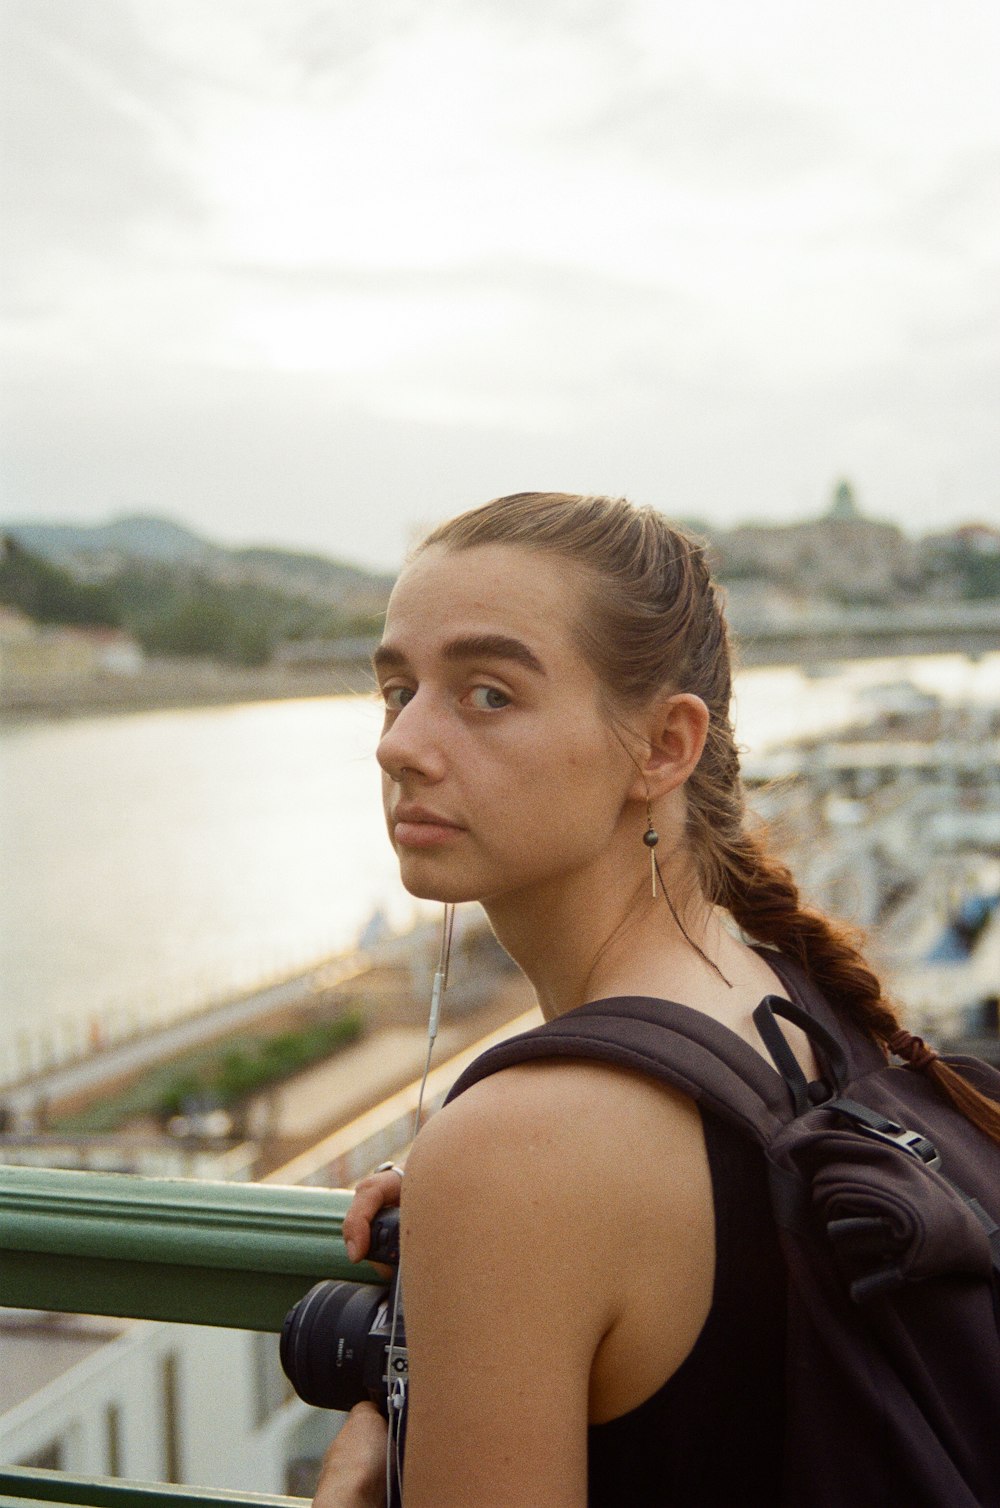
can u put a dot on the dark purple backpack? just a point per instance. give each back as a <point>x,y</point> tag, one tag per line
<point>886,1200</point>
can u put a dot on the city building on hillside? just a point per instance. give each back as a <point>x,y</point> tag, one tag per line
<point>62,651</point>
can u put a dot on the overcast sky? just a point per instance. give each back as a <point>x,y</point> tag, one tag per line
<point>320,272</point>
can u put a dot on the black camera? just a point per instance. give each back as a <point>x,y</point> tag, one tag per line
<point>335,1342</point>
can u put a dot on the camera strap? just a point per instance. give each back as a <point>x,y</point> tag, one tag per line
<point>398,1384</point>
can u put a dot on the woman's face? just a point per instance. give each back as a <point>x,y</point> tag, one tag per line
<point>501,773</point>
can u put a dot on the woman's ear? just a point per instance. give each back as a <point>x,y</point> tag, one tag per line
<point>676,728</point>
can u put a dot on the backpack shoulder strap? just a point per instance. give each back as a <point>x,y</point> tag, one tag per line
<point>667,1041</point>
<point>862,1053</point>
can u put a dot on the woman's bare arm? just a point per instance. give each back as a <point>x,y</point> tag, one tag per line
<point>520,1221</point>
<point>504,1305</point>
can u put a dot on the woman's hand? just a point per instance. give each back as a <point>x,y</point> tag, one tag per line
<point>376,1192</point>
<point>353,1471</point>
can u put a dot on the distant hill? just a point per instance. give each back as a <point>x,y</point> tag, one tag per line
<point>98,550</point>
<point>136,537</point>
<point>177,594</point>
<point>841,558</point>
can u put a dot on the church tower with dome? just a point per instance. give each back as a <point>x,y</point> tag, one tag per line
<point>844,506</point>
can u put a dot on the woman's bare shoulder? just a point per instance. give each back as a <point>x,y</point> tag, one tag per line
<point>552,1208</point>
<point>577,1131</point>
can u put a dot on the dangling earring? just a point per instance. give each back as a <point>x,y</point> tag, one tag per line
<point>651,837</point>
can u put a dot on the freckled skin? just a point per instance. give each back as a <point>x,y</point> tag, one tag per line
<point>538,784</point>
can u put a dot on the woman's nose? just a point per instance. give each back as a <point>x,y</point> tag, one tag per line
<point>410,743</point>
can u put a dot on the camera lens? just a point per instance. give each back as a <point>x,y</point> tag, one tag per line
<point>323,1342</point>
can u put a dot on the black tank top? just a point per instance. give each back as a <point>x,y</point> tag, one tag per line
<point>711,1437</point>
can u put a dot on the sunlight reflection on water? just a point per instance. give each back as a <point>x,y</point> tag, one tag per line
<point>154,861</point>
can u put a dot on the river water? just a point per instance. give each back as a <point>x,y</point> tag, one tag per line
<point>153,862</point>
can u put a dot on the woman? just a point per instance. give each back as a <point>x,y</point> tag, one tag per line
<point>594,1295</point>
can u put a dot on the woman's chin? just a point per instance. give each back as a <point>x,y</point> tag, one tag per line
<point>447,889</point>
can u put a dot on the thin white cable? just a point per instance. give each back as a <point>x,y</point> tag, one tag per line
<point>397,1389</point>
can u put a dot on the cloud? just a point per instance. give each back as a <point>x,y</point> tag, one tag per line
<point>416,252</point>
<point>93,134</point>
<point>716,141</point>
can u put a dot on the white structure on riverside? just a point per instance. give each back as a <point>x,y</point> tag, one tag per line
<point>154,1402</point>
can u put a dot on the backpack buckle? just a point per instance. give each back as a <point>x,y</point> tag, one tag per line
<point>880,1128</point>
<point>908,1141</point>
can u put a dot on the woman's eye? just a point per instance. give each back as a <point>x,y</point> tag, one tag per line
<point>488,698</point>
<point>396,697</point>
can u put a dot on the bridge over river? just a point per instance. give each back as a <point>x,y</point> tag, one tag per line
<point>821,633</point>
<point>815,634</point>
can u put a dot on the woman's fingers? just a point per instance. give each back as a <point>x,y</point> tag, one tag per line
<point>353,1472</point>
<point>377,1191</point>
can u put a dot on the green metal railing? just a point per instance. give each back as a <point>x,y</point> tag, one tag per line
<point>236,1255</point>
<point>21,1483</point>
<point>167,1248</point>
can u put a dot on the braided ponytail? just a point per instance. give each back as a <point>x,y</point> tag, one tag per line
<point>739,873</point>
<point>763,899</point>
<point>653,618</point>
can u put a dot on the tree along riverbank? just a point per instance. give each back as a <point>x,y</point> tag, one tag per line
<point>811,638</point>
<point>168,685</point>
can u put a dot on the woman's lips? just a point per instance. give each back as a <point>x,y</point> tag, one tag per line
<point>415,828</point>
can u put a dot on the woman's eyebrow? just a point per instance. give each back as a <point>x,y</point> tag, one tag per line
<point>387,657</point>
<point>471,647</point>
<point>493,647</point>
